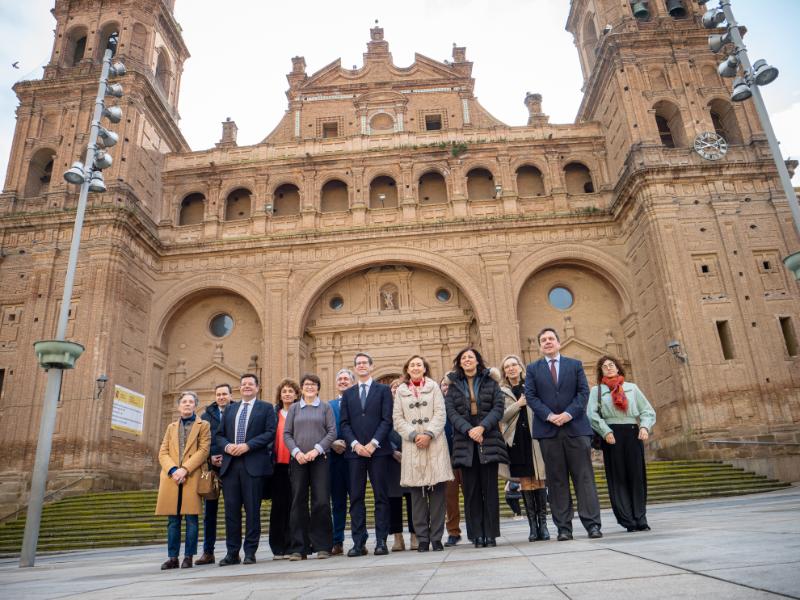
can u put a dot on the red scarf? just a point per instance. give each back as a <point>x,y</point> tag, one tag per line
<point>617,393</point>
<point>415,385</point>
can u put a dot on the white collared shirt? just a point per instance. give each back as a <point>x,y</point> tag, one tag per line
<point>368,383</point>
<point>556,358</point>
<point>247,420</point>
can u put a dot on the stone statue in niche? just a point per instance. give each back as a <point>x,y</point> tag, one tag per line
<point>388,299</point>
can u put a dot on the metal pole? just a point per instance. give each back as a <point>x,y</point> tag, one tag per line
<point>53,389</point>
<point>761,109</point>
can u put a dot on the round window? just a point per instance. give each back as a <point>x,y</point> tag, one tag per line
<point>560,298</point>
<point>221,325</point>
<point>336,303</point>
<point>443,295</point>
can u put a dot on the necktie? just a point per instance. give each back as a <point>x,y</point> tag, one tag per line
<point>553,373</point>
<point>241,426</point>
<point>363,396</point>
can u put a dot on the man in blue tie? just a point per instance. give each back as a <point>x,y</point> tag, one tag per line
<point>366,421</point>
<point>245,435</point>
<point>557,391</point>
<point>340,477</point>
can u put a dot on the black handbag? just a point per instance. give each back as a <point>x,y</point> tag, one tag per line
<point>597,440</point>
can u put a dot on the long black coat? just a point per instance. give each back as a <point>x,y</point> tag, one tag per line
<point>490,411</point>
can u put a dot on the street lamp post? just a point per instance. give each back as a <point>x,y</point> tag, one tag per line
<point>748,86</point>
<point>57,354</point>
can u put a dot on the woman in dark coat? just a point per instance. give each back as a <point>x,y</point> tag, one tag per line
<point>475,405</point>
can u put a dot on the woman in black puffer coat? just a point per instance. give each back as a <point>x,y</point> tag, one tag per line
<point>475,406</point>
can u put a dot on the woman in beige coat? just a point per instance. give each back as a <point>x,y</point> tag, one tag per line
<point>524,453</point>
<point>419,417</point>
<point>184,449</point>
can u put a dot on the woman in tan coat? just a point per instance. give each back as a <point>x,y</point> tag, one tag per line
<point>184,449</point>
<point>419,417</point>
<point>525,455</point>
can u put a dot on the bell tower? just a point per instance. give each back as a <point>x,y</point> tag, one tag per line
<point>55,111</point>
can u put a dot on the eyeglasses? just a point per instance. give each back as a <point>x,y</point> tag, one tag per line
<point>310,384</point>
<point>608,365</point>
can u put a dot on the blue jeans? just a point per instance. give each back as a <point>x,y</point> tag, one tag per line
<point>340,482</point>
<point>210,525</point>
<point>174,535</point>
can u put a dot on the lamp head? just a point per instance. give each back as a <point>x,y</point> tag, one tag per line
<point>713,18</point>
<point>102,160</point>
<point>109,138</point>
<point>75,174</point>
<point>763,73</point>
<point>96,183</point>
<point>741,91</point>
<point>117,70</point>
<point>113,113</point>
<point>729,67</point>
<point>114,90</point>
<point>716,42</point>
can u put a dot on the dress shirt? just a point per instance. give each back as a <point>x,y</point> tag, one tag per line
<point>236,421</point>
<point>368,383</point>
<point>557,365</point>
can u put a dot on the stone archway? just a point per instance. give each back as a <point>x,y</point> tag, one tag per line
<point>390,312</point>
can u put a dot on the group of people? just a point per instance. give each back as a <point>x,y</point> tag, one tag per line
<point>419,439</point>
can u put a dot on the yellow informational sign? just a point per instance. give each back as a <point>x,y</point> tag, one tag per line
<point>127,413</point>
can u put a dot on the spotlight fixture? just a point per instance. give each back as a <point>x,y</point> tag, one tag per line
<point>716,42</point>
<point>102,160</point>
<point>96,183</point>
<point>741,91</point>
<point>729,67</point>
<point>113,113</point>
<point>109,138</point>
<point>763,73</point>
<point>114,90</point>
<point>75,174</point>
<point>117,70</point>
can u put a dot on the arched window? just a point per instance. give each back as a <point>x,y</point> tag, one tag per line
<point>192,209</point>
<point>432,188</point>
<point>40,170</point>
<point>163,72</point>
<point>578,179</point>
<point>75,48</point>
<point>334,197</point>
<point>670,125</point>
<point>102,40</point>
<point>238,205</point>
<point>381,123</point>
<point>383,193</point>
<point>286,200</point>
<point>529,182</point>
<point>723,117</point>
<point>480,185</point>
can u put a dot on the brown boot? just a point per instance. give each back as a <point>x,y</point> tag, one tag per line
<point>337,550</point>
<point>205,559</point>
<point>399,543</point>
<point>187,562</point>
<point>171,563</point>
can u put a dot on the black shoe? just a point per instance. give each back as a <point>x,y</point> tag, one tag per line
<point>595,533</point>
<point>452,540</point>
<point>564,536</point>
<point>631,529</point>
<point>230,559</point>
<point>479,542</point>
<point>380,548</point>
<point>423,547</point>
<point>489,543</point>
<point>437,546</point>
<point>357,551</point>
<point>170,563</point>
<point>249,559</point>
<point>644,527</point>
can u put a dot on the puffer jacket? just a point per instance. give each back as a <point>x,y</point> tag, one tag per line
<point>412,416</point>
<point>490,402</point>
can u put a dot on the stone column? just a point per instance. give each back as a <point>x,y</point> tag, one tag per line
<point>274,322</point>
<point>501,302</point>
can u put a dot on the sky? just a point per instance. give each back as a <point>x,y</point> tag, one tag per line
<point>241,52</point>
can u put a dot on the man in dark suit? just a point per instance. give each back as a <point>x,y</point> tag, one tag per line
<point>245,436</point>
<point>557,391</point>
<point>366,421</point>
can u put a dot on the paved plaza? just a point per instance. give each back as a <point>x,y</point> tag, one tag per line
<point>745,547</point>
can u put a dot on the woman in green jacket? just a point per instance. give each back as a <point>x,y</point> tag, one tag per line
<point>621,415</point>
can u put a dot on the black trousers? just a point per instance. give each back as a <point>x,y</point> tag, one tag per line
<point>241,489</point>
<point>626,475</point>
<point>396,513</point>
<point>314,526</point>
<point>377,467</point>
<point>568,457</point>
<point>481,499</point>
<point>279,532</point>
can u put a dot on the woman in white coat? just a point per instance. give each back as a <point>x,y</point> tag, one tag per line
<point>621,415</point>
<point>419,418</point>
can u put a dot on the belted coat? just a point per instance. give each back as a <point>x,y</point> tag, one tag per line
<point>413,414</point>
<point>195,453</point>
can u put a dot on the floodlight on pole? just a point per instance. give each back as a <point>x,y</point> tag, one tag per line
<point>113,113</point>
<point>75,174</point>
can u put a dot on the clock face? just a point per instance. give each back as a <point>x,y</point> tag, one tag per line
<point>710,145</point>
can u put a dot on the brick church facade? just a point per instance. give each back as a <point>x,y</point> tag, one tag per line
<point>389,211</point>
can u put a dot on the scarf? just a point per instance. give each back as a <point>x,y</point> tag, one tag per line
<point>416,386</point>
<point>617,393</point>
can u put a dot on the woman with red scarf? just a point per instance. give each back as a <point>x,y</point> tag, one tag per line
<point>623,418</point>
<point>419,417</point>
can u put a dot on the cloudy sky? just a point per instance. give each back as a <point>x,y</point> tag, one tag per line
<point>241,51</point>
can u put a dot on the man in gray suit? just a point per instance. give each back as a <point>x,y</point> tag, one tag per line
<point>557,391</point>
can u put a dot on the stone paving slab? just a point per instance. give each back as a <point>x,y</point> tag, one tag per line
<point>746,547</point>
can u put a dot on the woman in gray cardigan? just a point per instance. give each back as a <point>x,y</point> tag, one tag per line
<point>308,432</point>
<point>623,418</point>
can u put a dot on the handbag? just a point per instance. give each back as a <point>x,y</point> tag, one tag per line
<point>597,440</point>
<point>208,487</point>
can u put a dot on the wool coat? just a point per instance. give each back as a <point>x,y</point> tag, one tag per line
<point>490,402</point>
<point>195,453</point>
<point>413,415</point>
<point>508,425</point>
